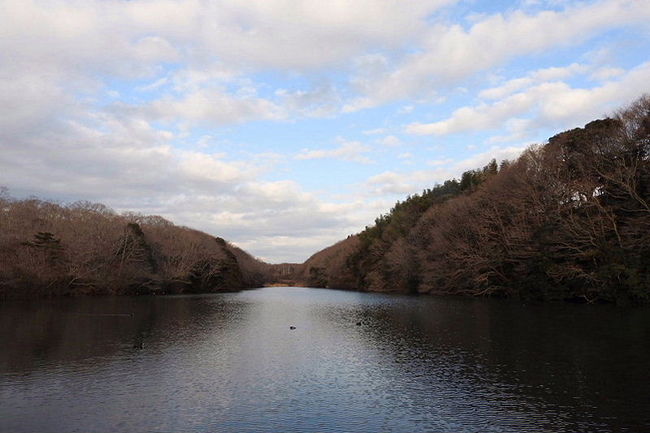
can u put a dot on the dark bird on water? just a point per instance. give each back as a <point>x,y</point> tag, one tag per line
<point>292,327</point>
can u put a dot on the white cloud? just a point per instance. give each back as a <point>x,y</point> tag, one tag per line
<point>284,34</point>
<point>606,73</point>
<point>388,182</point>
<point>450,53</point>
<point>481,117</point>
<point>539,76</point>
<point>376,131</point>
<point>390,141</point>
<point>63,48</point>
<point>548,104</point>
<point>347,151</point>
<point>323,100</point>
<point>276,33</point>
<point>210,168</point>
<point>215,107</point>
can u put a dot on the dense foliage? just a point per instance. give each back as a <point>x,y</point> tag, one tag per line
<point>49,249</point>
<point>567,220</point>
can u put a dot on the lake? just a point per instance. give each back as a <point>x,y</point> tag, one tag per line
<point>355,362</point>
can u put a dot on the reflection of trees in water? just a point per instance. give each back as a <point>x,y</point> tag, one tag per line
<point>567,364</point>
<point>558,367</point>
<point>39,334</point>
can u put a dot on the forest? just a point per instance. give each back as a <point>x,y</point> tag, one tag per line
<point>50,249</point>
<point>568,220</point>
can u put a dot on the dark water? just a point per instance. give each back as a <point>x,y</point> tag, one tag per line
<point>230,363</point>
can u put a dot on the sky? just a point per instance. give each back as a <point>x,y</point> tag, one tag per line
<point>285,125</point>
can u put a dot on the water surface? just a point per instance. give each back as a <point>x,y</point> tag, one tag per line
<point>356,362</point>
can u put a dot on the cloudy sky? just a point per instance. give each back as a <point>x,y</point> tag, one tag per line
<point>285,125</point>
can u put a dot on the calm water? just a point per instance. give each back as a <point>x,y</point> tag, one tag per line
<point>230,363</point>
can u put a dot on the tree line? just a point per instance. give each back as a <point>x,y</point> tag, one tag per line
<point>569,219</point>
<point>51,249</point>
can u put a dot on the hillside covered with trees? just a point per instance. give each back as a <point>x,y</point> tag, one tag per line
<point>569,220</point>
<point>50,249</point>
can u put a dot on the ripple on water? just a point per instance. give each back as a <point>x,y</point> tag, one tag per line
<point>230,363</point>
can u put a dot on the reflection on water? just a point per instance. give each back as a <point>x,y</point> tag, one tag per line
<point>355,362</point>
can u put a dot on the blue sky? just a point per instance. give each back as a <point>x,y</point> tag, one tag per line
<point>285,125</point>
